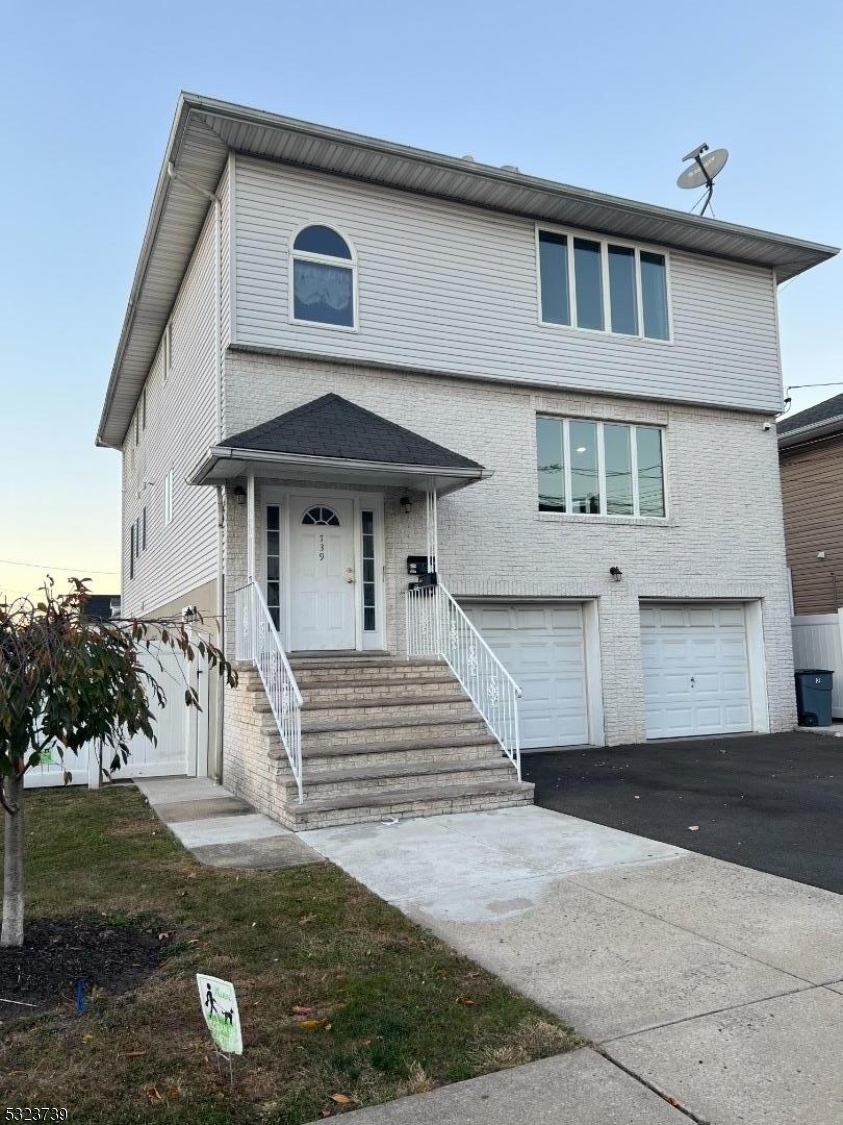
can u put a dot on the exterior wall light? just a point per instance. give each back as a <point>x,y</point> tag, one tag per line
<point>616,573</point>
<point>240,495</point>
<point>406,502</point>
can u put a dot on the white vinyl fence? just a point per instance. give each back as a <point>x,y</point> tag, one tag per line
<point>181,745</point>
<point>818,643</point>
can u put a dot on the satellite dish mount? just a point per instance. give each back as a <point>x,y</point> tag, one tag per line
<point>703,171</point>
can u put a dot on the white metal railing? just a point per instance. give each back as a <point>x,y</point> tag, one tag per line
<point>258,642</point>
<point>436,626</point>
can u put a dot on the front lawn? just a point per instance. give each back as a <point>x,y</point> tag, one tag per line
<point>343,1001</point>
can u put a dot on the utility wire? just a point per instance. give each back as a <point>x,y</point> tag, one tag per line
<point>44,566</point>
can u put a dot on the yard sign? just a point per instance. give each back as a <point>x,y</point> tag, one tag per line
<point>219,1007</point>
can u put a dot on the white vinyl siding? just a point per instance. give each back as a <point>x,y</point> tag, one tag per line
<point>453,289</point>
<point>181,423</point>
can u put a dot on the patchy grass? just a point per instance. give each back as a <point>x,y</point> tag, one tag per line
<point>397,1011</point>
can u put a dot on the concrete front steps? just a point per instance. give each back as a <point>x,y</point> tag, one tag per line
<point>383,737</point>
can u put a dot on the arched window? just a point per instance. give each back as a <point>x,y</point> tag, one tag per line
<point>323,278</point>
<point>321,517</point>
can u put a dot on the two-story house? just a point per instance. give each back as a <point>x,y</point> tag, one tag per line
<point>349,366</point>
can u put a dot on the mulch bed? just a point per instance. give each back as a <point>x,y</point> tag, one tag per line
<point>59,951</point>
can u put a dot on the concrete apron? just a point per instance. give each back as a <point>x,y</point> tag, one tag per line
<point>717,986</point>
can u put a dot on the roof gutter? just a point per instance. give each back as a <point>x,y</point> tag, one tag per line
<point>159,199</point>
<point>219,453</point>
<point>828,427</point>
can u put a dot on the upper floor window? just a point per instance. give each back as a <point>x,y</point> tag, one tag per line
<point>323,281</point>
<point>599,468</point>
<point>602,285</point>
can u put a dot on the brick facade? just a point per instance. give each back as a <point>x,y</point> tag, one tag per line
<point>723,538</point>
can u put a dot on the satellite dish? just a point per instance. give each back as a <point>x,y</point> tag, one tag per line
<point>706,165</point>
<point>702,173</point>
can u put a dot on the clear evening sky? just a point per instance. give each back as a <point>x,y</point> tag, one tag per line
<point>602,95</point>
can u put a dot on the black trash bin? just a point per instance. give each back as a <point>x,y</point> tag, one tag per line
<point>813,696</point>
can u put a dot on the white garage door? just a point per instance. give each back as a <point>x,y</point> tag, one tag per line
<point>696,679</point>
<point>541,646</point>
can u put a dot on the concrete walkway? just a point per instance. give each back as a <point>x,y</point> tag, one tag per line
<point>220,829</point>
<point>576,1089</point>
<point>718,986</point>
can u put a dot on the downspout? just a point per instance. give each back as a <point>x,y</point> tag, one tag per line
<point>212,197</point>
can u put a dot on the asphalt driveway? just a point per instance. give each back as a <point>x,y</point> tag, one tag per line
<point>770,802</point>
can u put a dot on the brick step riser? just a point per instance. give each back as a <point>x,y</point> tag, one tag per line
<point>313,741</point>
<point>433,710</point>
<point>408,784</point>
<point>309,680</point>
<point>297,817</point>
<point>316,764</point>
<point>429,689</point>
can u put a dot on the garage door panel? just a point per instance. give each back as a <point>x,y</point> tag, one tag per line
<point>541,645</point>
<point>696,678</point>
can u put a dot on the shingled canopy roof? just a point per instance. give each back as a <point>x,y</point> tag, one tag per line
<point>334,439</point>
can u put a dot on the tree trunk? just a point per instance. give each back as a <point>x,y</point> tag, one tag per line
<point>12,934</point>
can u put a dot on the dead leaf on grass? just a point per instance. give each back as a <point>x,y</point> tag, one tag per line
<point>305,918</point>
<point>152,1093</point>
<point>341,1099</point>
<point>301,1010</point>
<point>135,1054</point>
<point>465,1001</point>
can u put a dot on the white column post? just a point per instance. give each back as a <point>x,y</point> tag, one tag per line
<point>250,525</point>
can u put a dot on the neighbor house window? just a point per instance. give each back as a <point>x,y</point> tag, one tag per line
<point>143,409</point>
<point>132,551</point>
<point>602,285</point>
<point>599,468</point>
<point>323,278</point>
<point>168,497</point>
<point>143,529</point>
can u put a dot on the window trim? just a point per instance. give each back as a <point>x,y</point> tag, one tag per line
<point>605,241</point>
<point>621,517</point>
<point>168,498</point>
<point>132,549</point>
<point>294,255</point>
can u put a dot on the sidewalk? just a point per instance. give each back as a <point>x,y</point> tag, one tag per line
<point>221,830</point>
<point>576,1089</point>
<point>718,986</point>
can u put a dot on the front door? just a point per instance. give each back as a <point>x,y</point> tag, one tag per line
<point>322,578</point>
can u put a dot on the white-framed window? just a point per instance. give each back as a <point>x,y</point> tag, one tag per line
<point>168,497</point>
<point>137,425</point>
<point>602,285</point>
<point>592,468</point>
<point>167,345</point>
<point>323,278</point>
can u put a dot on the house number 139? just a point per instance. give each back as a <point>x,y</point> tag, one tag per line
<point>321,546</point>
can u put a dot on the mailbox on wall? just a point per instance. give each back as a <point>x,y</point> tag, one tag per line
<point>417,564</point>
